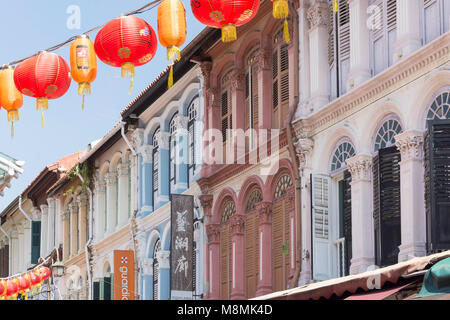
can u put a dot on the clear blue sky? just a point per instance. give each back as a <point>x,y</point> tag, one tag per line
<point>28,26</point>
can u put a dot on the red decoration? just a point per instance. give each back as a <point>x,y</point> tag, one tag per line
<point>44,76</point>
<point>44,272</point>
<point>12,289</point>
<point>2,289</point>
<point>126,42</point>
<point>24,284</point>
<point>35,279</point>
<point>225,14</point>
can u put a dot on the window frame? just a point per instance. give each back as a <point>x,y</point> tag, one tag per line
<point>155,167</point>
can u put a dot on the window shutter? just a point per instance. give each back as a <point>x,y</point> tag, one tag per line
<point>35,241</point>
<point>96,290</point>
<point>387,206</point>
<point>225,263</point>
<point>107,288</point>
<point>331,39</point>
<point>320,228</point>
<point>255,110</point>
<point>376,206</point>
<point>438,185</point>
<point>432,29</point>
<point>155,279</point>
<point>344,30</point>
<point>347,219</point>
<point>225,116</point>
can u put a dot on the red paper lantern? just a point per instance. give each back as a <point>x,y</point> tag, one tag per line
<point>35,279</point>
<point>11,288</point>
<point>44,76</point>
<point>2,290</point>
<point>126,42</point>
<point>225,14</point>
<point>44,272</point>
<point>24,285</point>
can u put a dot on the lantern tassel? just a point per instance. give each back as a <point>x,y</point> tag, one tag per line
<point>84,89</point>
<point>286,32</point>
<point>229,33</point>
<point>173,53</point>
<point>280,9</point>
<point>12,129</point>
<point>170,84</point>
<point>13,115</point>
<point>128,72</point>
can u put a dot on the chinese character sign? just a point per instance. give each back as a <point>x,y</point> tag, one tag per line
<point>182,227</point>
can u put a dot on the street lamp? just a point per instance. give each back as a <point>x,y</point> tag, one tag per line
<point>58,269</point>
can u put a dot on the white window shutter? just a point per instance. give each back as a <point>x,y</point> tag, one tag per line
<point>321,246</point>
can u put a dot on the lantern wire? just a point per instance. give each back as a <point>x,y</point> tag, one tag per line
<point>144,9</point>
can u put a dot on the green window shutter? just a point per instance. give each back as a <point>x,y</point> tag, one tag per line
<point>96,290</point>
<point>112,286</point>
<point>107,288</point>
<point>35,241</point>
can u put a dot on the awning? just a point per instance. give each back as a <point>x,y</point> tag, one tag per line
<point>379,294</point>
<point>350,284</point>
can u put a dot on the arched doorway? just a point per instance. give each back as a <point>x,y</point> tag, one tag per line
<point>226,258</point>
<point>280,232</point>
<point>251,242</point>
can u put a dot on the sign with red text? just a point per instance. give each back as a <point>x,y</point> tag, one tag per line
<point>123,275</point>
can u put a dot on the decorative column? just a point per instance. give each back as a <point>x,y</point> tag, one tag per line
<point>51,224</point>
<point>163,139</point>
<point>147,275</point>
<point>408,28</point>
<point>181,154</point>
<point>66,234</point>
<point>111,202</point>
<point>238,115</point>
<point>14,257</point>
<point>26,225</point>
<point>213,258</point>
<point>293,235</point>
<point>264,286</point>
<point>360,168</point>
<point>206,201</point>
<point>123,176</point>
<point>304,149</point>
<point>264,72</point>
<point>82,201</point>
<point>58,224</point>
<point>360,70</point>
<point>164,274</point>
<point>146,155</point>
<point>304,60</point>
<point>412,188</point>
<point>21,247</point>
<point>238,257</point>
<point>318,46</point>
<point>44,226</point>
<point>73,208</point>
<point>100,208</point>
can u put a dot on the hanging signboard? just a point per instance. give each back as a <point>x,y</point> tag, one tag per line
<point>123,275</point>
<point>182,234</point>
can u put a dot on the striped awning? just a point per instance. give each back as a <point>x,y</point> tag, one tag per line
<point>9,168</point>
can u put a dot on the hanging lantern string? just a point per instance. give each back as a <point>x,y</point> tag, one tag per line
<point>144,9</point>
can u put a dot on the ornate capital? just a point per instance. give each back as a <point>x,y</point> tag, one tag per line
<point>206,201</point>
<point>318,15</point>
<point>44,209</point>
<point>181,122</point>
<point>263,59</point>
<point>291,197</point>
<point>163,259</point>
<point>206,68</point>
<point>360,167</point>
<point>147,266</point>
<point>66,214</point>
<point>111,178</point>
<point>51,202</point>
<point>213,96</point>
<point>163,139</point>
<point>146,152</point>
<point>264,209</point>
<point>238,79</point>
<point>35,214</point>
<point>213,233</point>
<point>138,137</point>
<point>73,207</point>
<point>122,169</point>
<point>237,224</point>
<point>99,185</point>
<point>82,200</point>
<point>303,148</point>
<point>410,144</point>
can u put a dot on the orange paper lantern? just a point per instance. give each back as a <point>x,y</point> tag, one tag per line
<point>44,76</point>
<point>126,42</point>
<point>10,98</point>
<point>172,30</point>
<point>83,64</point>
<point>225,14</point>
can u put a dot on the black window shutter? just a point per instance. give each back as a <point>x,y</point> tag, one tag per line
<point>35,241</point>
<point>438,210</point>
<point>387,206</point>
<point>107,288</point>
<point>347,196</point>
<point>6,261</point>
<point>96,290</point>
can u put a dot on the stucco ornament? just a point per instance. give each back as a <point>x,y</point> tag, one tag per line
<point>360,167</point>
<point>410,144</point>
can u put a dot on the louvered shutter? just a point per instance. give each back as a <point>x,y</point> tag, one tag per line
<point>431,13</point>
<point>225,115</point>
<point>331,39</point>
<point>387,206</point>
<point>107,288</point>
<point>344,44</point>
<point>392,29</point>
<point>277,243</point>
<point>321,255</point>
<point>284,83</point>
<point>251,254</point>
<point>155,280</point>
<point>438,188</point>
<point>255,110</point>
<point>35,241</point>
<point>275,91</point>
<point>96,290</point>
<point>347,207</point>
<point>225,263</point>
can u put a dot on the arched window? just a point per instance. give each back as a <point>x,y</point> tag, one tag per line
<point>343,152</point>
<point>283,184</point>
<point>440,108</point>
<point>156,270</point>
<point>251,98</point>
<point>253,199</point>
<point>173,150</point>
<point>193,113</point>
<point>155,172</point>
<point>386,134</point>
<point>226,273</point>
<point>280,80</point>
<point>229,209</point>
